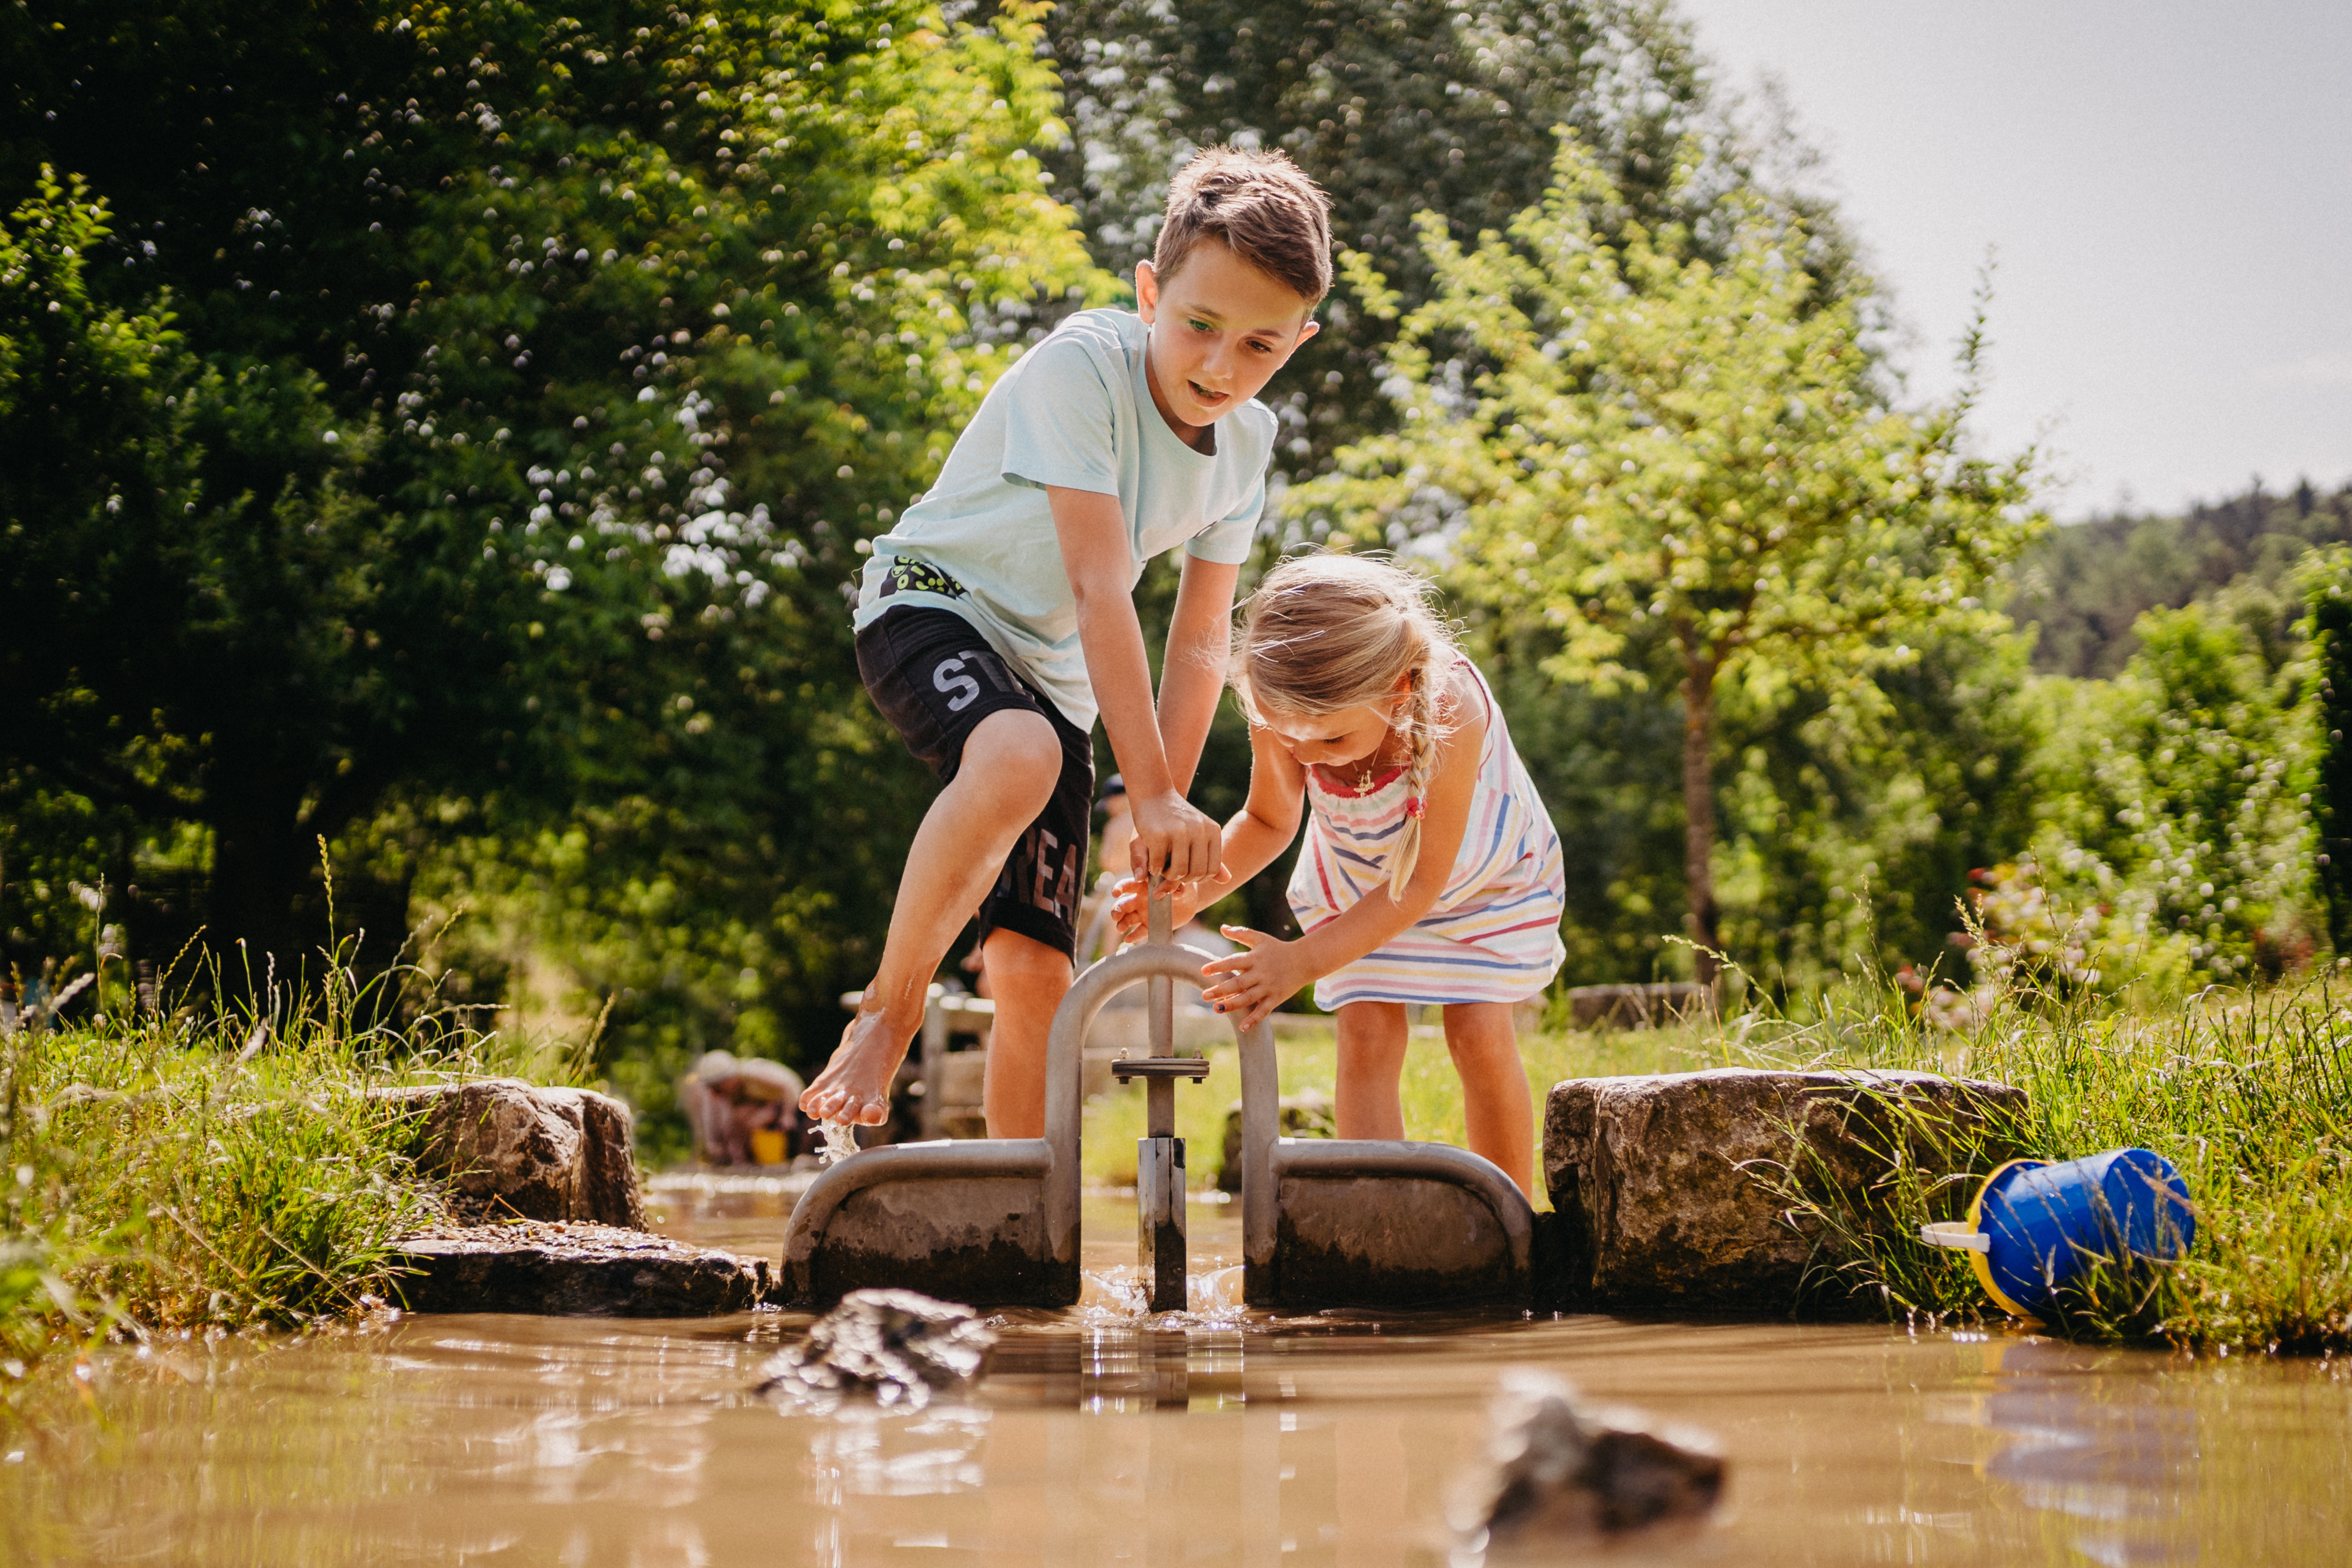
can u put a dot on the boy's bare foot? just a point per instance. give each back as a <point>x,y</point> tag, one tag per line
<point>856,1084</point>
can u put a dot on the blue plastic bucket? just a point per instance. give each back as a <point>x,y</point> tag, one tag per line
<point>2035,1228</point>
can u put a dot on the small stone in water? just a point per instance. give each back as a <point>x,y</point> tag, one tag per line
<point>840,1141</point>
<point>1556,1467</point>
<point>901,1344</point>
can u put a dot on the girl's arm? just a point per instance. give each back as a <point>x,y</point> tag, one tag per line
<point>1265,826</point>
<point>1256,983</point>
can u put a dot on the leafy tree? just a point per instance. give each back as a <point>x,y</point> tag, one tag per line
<point>1850,819</point>
<point>2084,585</point>
<point>2327,597</point>
<point>1397,107</point>
<point>810,296</point>
<point>201,593</point>
<point>628,328</point>
<point>1683,465</point>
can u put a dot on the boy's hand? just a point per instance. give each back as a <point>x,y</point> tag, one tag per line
<point>1246,986</point>
<point>1174,840</point>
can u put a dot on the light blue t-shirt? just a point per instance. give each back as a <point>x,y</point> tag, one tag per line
<point>1077,412</point>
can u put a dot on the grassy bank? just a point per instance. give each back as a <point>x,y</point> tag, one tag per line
<point>165,1174</point>
<point>2248,1093</point>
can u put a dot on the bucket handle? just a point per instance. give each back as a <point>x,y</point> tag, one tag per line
<point>1958,1234</point>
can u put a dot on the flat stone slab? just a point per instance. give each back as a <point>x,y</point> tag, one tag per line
<point>569,1270</point>
<point>1662,1181</point>
<point>504,1149</point>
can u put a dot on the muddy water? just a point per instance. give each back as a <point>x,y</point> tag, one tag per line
<point>1215,1438</point>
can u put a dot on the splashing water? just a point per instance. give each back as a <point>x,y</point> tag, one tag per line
<point>840,1141</point>
<point>1117,1295</point>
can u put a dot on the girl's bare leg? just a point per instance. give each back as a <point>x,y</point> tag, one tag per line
<point>1496,1104</point>
<point>1372,1036</point>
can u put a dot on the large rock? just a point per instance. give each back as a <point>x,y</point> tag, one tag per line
<point>1663,1183</point>
<point>573,1271</point>
<point>506,1149</point>
<point>1557,1469</point>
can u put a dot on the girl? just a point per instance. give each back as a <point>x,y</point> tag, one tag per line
<point>1430,871</point>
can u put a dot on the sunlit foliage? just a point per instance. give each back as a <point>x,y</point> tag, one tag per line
<point>560,366</point>
<point>1682,465</point>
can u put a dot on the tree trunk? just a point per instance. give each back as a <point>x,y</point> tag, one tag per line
<point>1698,815</point>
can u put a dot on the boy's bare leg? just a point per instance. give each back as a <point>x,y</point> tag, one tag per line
<point>1011,762</point>
<point>1372,1038</point>
<point>1027,981</point>
<point>1500,1115</point>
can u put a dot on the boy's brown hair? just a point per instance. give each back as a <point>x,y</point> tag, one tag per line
<point>1262,206</point>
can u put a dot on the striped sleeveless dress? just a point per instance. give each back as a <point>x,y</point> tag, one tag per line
<point>1493,934</point>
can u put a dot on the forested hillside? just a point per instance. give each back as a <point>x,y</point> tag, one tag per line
<point>2084,585</point>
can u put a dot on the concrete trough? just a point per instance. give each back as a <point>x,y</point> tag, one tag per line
<point>1325,1222</point>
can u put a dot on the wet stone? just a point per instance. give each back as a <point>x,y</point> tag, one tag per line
<point>899,1345</point>
<point>570,1270</point>
<point>1664,1183</point>
<point>503,1148</point>
<point>1558,1469</point>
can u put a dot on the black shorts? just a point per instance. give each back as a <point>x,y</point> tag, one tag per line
<point>935,677</point>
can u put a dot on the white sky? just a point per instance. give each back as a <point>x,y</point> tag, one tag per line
<point>2169,188</point>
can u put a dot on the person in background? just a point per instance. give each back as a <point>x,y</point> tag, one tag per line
<point>729,1100</point>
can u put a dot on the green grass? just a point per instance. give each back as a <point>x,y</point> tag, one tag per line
<point>193,1171</point>
<point>162,1173</point>
<point>2248,1093</point>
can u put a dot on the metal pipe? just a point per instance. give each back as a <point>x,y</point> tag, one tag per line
<point>1064,1048</point>
<point>1261,1123</point>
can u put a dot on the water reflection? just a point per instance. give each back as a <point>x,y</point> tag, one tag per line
<point>1214,1436</point>
<point>2115,1458</point>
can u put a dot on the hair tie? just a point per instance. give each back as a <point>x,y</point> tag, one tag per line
<point>1413,808</point>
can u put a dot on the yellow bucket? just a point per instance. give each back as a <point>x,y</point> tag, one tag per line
<point>767,1146</point>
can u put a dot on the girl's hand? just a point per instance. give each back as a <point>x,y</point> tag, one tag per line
<point>1246,986</point>
<point>1133,917</point>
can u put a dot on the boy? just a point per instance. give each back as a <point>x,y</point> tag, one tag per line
<point>999,613</point>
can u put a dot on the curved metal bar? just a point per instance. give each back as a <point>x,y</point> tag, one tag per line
<point>1350,1157</point>
<point>1065,1050</point>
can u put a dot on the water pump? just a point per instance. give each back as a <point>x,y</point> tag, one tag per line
<point>1160,1153</point>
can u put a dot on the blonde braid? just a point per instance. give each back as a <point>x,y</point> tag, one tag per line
<point>1326,633</point>
<point>1422,732</point>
